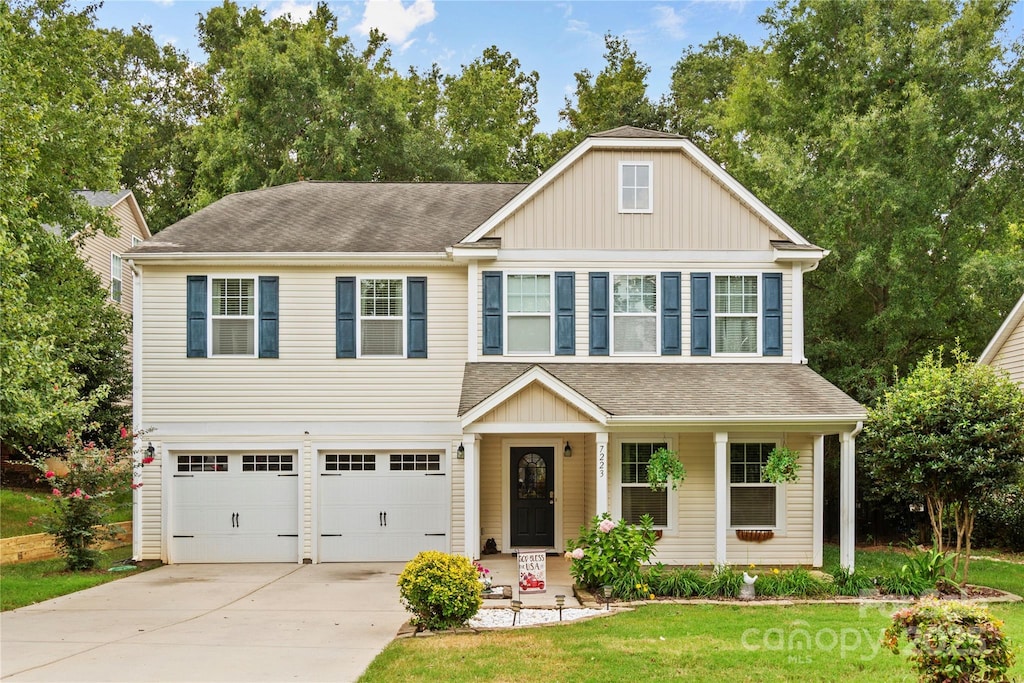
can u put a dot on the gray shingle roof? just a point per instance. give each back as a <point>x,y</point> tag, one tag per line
<point>711,390</point>
<point>103,199</point>
<point>336,217</point>
<point>634,132</point>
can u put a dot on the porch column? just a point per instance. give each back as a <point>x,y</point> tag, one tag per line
<point>818,510</point>
<point>601,498</point>
<point>847,499</point>
<point>721,495</point>
<point>471,497</point>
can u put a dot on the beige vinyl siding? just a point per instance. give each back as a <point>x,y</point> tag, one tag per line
<point>589,478</point>
<point>96,251</point>
<point>1011,356</point>
<point>534,404</point>
<point>491,490</point>
<point>458,505</point>
<point>310,472</point>
<point>307,382</point>
<point>583,271</point>
<point>693,542</point>
<point>574,492</point>
<point>150,510</point>
<point>579,210</point>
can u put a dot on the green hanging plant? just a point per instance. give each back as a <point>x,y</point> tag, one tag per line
<point>782,466</point>
<point>663,465</point>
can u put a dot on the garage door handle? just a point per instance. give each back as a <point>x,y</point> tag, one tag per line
<point>435,534</point>
<point>234,520</point>
<point>289,475</point>
<point>287,535</point>
<point>331,535</point>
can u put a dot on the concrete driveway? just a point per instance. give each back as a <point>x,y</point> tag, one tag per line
<point>227,622</point>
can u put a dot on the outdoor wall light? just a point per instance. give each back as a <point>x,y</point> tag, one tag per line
<point>607,596</point>
<point>567,451</point>
<point>560,602</point>
<point>460,452</point>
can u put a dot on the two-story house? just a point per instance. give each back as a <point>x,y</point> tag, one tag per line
<point>359,371</point>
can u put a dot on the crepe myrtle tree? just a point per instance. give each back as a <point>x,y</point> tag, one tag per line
<point>952,434</point>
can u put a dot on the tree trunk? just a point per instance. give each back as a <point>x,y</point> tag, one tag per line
<point>935,508</point>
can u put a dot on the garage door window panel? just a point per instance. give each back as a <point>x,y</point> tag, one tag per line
<point>202,463</point>
<point>268,463</point>
<point>415,462</point>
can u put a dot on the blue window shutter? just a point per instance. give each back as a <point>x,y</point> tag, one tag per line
<point>345,327</point>
<point>492,313</point>
<point>599,314</point>
<point>417,320</point>
<point>196,305</point>
<point>565,314</point>
<point>700,314</point>
<point>268,317</point>
<point>771,298</point>
<point>671,314</point>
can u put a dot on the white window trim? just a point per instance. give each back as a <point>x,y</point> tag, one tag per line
<point>780,489</point>
<point>254,317</point>
<point>506,314</point>
<point>120,267</point>
<point>612,315</point>
<point>136,241</point>
<point>672,505</point>
<point>650,187</point>
<point>359,316</point>
<point>758,314</point>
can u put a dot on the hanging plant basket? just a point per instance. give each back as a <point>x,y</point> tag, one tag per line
<point>754,535</point>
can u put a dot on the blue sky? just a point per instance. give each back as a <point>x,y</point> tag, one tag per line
<point>556,39</point>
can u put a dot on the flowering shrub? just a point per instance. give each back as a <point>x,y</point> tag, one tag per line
<point>611,552</point>
<point>82,484</point>
<point>441,590</point>
<point>483,575</point>
<point>952,641</point>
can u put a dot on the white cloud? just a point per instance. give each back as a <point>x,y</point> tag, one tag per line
<point>668,20</point>
<point>297,12</point>
<point>566,8</point>
<point>165,3</point>
<point>396,20</point>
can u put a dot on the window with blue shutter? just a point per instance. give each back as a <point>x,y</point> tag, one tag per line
<point>700,314</point>
<point>269,325</point>
<point>599,314</point>
<point>492,312</point>
<point>417,317</point>
<point>345,323</point>
<point>196,316</point>
<point>771,299</point>
<point>565,314</point>
<point>671,314</point>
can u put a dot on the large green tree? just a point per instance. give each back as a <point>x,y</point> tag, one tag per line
<point>889,133</point>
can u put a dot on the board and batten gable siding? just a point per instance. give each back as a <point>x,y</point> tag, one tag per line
<point>582,271</point>
<point>534,404</point>
<point>579,210</point>
<point>96,250</point>
<point>1010,357</point>
<point>307,381</point>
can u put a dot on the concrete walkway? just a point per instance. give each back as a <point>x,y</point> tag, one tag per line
<point>249,622</point>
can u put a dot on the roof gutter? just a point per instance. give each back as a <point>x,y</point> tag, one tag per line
<point>306,258</point>
<point>727,419</point>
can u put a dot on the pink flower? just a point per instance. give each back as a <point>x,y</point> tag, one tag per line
<point>606,525</point>
<point>124,433</point>
<point>147,460</point>
<point>136,486</point>
<point>577,554</point>
<point>50,474</point>
<point>56,492</point>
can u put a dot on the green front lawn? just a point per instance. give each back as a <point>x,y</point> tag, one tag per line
<point>692,642</point>
<point>27,583</point>
<point>20,507</point>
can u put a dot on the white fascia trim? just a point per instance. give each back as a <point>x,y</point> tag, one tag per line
<point>645,256</point>
<point>745,195</point>
<point>396,429</point>
<point>474,254</point>
<point>137,212</point>
<point>1004,331</point>
<point>534,428</point>
<point>789,255</point>
<point>541,376</point>
<point>306,258</point>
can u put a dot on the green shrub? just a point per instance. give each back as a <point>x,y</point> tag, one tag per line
<point>676,582</point>
<point>725,582</point>
<point>952,641</point>
<point>904,582</point>
<point>1000,520</point>
<point>610,552</point>
<point>847,583</point>
<point>929,565</point>
<point>441,590</point>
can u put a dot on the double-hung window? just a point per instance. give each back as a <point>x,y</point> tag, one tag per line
<point>233,316</point>
<point>636,496</point>
<point>753,503</point>
<point>528,314</point>
<point>736,317</point>
<point>635,314</point>
<point>381,317</point>
<point>635,192</point>
<point>115,277</point>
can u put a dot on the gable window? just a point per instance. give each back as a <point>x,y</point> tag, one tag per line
<point>136,241</point>
<point>635,314</point>
<point>736,318</point>
<point>636,496</point>
<point>381,317</point>
<point>233,316</point>
<point>635,192</point>
<point>753,503</point>
<point>528,313</point>
<point>115,277</point>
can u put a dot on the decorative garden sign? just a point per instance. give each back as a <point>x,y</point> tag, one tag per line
<point>532,571</point>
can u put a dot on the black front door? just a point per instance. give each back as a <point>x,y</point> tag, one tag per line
<point>532,496</point>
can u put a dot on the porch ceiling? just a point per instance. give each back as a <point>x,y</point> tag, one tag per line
<point>740,390</point>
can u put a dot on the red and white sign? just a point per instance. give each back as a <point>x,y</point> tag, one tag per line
<point>532,571</point>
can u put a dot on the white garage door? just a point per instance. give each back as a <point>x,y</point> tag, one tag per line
<point>235,508</point>
<point>382,507</point>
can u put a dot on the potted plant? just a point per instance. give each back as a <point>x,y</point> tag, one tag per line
<point>663,466</point>
<point>782,466</point>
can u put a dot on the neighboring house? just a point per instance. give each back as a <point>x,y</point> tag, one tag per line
<point>360,371</point>
<point>1006,350</point>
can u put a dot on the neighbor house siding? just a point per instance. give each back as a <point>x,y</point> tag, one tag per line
<point>307,382</point>
<point>1011,356</point>
<point>96,251</point>
<point>579,210</point>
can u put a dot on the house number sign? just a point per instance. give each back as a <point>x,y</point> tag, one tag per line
<point>601,457</point>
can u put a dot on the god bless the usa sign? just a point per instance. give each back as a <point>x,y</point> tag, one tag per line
<point>532,571</point>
